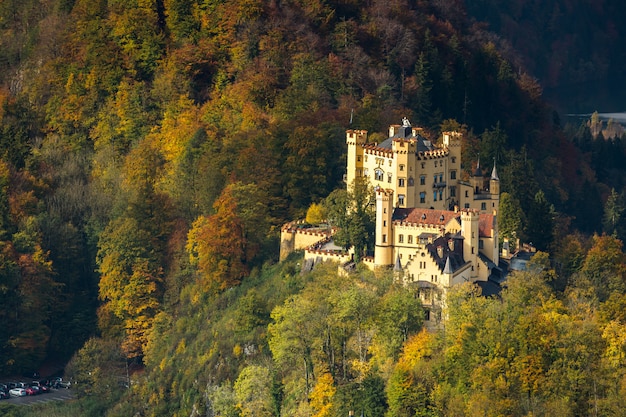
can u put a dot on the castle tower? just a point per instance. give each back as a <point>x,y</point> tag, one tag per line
<point>355,139</point>
<point>476,180</point>
<point>404,166</point>
<point>469,231</point>
<point>383,253</point>
<point>494,182</point>
<point>452,141</point>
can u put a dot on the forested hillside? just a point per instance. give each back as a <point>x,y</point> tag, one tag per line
<point>151,150</point>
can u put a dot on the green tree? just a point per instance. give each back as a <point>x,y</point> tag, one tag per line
<point>613,221</point>
<point>604,266</point>
<point>399,315</point>
<point>540,222</point>
<point>510,220</point>
<point>493,144</point>
<point>353,213</point>
<point>253,392</point>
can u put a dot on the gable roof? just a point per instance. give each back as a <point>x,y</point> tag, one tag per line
<point>451,253</point>
<point>423,216</point>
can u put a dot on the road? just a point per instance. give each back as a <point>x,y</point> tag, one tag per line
<point>54,395</point>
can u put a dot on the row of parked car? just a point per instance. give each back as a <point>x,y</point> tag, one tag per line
<point>22,389</point>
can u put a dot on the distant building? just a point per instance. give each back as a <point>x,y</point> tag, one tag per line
<point>433,229</point>
<point>419,173</point>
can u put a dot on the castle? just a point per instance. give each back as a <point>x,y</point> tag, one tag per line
<point>434,229</point>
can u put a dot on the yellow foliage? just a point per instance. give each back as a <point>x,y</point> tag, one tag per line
<point>416,348</point>
<point>182,346</point>
<point>362,368</point>
<point>237,350</point>
<point>615,336</point>
<point>315,214</point>
<point>322,395</point>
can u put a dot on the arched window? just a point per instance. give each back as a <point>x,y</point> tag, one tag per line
<point>378,174</point>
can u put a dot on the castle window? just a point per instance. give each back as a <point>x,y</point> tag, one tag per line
<point>466,205</point>
<point>435,195</point>
<point>453,191</point>
<point>440,195</point>
<point>401,238</point>
<point>422,197</point>
<point>365,158</point>
<point>358,158</point>
<point>390,162</point>
<point>441,177</point>
<point>401,167</point>
<point>411,181</point>
<point>423,165</point>
<point>378,174</point>
<point>400,182</point>
<point>472,250</point>
<point>452,175</point>
<point>466,193</point>
<point>453,159</point>
<point>401,199</point>
<point>422,179</point>
<point>483,206</point>
<point>384,238</point>
<point>410,239</point>
<point>384,223</point>
<point>435,164</point>
<point>481,244</point>
<point>389,178</point>
<point>365,172</point>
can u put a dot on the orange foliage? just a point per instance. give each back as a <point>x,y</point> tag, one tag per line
<point>217,245</point>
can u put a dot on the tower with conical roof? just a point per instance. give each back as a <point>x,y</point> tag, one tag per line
<point>494,181</point>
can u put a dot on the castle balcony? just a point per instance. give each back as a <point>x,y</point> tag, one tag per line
<point>441,184</point>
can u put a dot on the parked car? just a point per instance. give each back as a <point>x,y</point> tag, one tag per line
<point>42,387</point>
<point>17,392</point>
<point>21,385</point>
<point>31,390</point>
<point>59,383</point>
<point>4,388</point>
<point>4,395</point>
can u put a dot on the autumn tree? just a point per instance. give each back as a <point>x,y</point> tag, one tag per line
<point>218,244</point>
<point>130,282</point>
